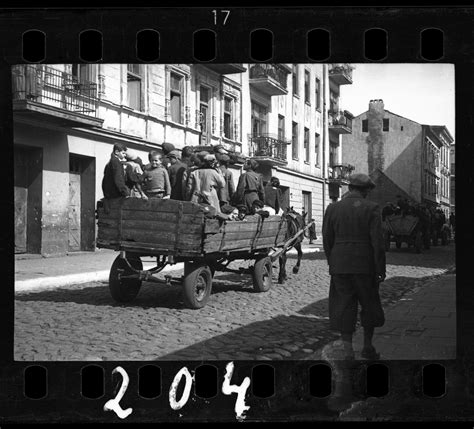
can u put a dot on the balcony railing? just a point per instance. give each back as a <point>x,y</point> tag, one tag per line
<point>268,148</point>
<point>48,86</point>
<point>341,73</point>
<point>340,173</point>
<point>340,121</point>
<point>269,78</point>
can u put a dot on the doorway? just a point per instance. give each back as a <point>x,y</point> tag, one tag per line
<point>307,205</point>
<point>81,206</point>
<point>28,184</point>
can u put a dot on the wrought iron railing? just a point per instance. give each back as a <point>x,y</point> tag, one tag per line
<point>274,71</point>
<point>341,68</point>
<point>46,85</point>
<point>342,117</point>
<point>268,145</point>
<point>340,172</point>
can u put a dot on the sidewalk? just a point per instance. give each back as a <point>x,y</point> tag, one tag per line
<point>34,272</point>
<point>422,325</point>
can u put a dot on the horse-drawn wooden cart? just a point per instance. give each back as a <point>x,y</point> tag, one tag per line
<point>179,231</point>
<point>402,229</point>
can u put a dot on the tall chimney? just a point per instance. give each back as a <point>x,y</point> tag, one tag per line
<point>375,138</point>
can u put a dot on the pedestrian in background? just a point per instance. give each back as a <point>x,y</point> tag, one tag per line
<point>156,182</point>
<point>354,247</point>
<point>312,232</point>
<point>113,182</point>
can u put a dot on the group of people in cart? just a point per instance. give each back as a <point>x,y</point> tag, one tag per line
<point>203,177</point>
<point>431,221</point>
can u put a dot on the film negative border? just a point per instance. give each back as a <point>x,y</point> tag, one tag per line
<point>296,393</point>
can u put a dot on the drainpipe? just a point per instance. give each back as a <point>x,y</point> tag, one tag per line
<point>324,134</point>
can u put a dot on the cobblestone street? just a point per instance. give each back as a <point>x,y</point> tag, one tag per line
<point>82,322</point>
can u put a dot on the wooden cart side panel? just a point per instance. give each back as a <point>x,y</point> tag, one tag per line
<point>174,227</point>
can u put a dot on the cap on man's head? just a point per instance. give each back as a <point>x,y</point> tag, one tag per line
<point>167,148</point>
<point>361,180</point>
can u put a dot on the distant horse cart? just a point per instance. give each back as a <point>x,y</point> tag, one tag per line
<point>179,231</point>
<point>403,229</point>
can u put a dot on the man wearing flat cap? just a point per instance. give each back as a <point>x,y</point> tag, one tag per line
<point>227,192</point>
<point>355,251</point>
<point>176,171</point>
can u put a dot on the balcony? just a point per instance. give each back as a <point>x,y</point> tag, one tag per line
<point>268,149</point>
<point>271,79</point>
<point>47,94</point>
<point>226,68</point>
<point>341,74</point>
<point>340,122</point>
<point>339,173</point>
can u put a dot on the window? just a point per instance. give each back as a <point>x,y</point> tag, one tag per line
<point>307,98</point>
<point>294,140</point>
<point>228,117</point>
<point>134,86</point>
<point>306,145</point>
<point>365,125</point>
<point>85,72</point>
<point>176,98</point>
<point>385,124</point>
<point>317,140</point>
<point>281,127</point>
<point>401,128</point>
<point>318,93</point>
<point>259,119</point>
<point>295,79</point>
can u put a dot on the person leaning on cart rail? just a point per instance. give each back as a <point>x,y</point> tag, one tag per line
<point>204,182</point>
<point>156,182</point>
<point>273,195</point>
<point>250,186</point>
<point>134,174</point>
<point>354,247</point>
<point>225,193</point>
<point>113,182</point>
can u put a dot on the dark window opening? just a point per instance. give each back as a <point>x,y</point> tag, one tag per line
<point>365,125</point>
<point>385,124</point>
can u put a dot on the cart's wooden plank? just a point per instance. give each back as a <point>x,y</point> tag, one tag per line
<point>229,236</point>
<point>156,236</point>
<point>148,249</point>
<point>236,244</point>
<point>212,226</point>
<point>154,204</point>
<point>189,218</point>
<point>157,226</point>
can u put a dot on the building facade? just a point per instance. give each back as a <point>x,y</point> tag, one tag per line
<point>413,156</point>
<point>67,118</point>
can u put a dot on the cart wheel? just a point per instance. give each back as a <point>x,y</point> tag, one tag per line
<point>124,289</point>
<point>262,274</point>
<point>418,242</point>
<point>197,285</point>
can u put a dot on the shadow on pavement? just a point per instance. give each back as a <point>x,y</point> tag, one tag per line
<point>435,257</point>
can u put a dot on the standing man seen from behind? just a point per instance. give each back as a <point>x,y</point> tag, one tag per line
<point>113,183</point>
<point>354,247</point>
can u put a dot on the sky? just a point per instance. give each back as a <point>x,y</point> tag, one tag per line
<point>423,93</point>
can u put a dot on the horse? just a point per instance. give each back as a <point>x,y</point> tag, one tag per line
<point>295,223</point>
